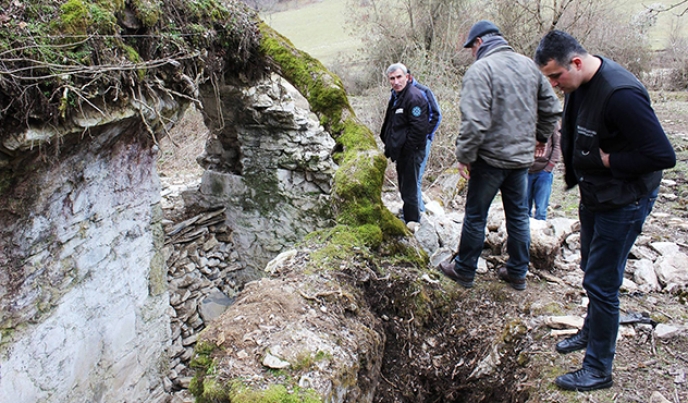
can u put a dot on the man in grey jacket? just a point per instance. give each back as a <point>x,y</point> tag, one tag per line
<point>507,106</point>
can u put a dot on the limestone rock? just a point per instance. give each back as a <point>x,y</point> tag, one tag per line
<point>274,362</point>
<point>657,397</point>
<point>663,331</point>
<point>644,275</point>
<point>672,269</point>
<point>564,322</point>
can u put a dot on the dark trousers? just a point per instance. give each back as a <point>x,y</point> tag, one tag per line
<point>483,185</point>
<point>606,238</point>
<point>408,166</point>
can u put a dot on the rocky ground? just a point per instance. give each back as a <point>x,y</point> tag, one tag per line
<point>649,365</point>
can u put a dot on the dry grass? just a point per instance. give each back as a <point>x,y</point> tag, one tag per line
<point>185,143</point>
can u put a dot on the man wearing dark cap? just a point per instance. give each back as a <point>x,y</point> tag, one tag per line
<point>507,106</point>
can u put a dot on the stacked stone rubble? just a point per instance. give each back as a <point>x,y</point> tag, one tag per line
<point>202,265</point>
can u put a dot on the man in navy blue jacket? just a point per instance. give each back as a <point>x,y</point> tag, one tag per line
<point>434,120</point>
<point>404,133</point>
<point>614,149</point>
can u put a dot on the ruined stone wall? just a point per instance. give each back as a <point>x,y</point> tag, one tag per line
<point>269,162</point>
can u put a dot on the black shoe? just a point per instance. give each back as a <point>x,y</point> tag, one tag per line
<point>584,380</point>
<point>578,341</point>
<point>515,283</point>
<point>448,270</point>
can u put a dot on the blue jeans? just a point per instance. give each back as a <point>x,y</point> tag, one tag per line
<point>539,189</point>
<point>606,238</point>
<point>483,185</point>
<point>421,171</point>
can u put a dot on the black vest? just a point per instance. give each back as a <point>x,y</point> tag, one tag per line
<point>584,134</point>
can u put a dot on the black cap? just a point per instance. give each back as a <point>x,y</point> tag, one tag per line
<point>479,29</point>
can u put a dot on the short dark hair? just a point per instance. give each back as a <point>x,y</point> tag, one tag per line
<point>558,46</point>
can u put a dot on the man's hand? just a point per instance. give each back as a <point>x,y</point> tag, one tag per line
<point>465,171</point>
<point>605,158</point>
<point>540,149</point>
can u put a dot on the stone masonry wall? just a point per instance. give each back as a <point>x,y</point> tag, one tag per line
<point>269,162</point>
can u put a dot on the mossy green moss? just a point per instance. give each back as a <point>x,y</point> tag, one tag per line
<point>391,224</point>
<point>75,18</point>
<point>204,385</point>
<point>202,359</point>
<point>103,16</point>
<point>324,91</point>
<point>147,11</point>
<point>79,18</point>
<point>356,136</point>
<point>274,394</point>
<point>343,241</point>
<point>208,10</point>
<point>357,193</point>
<point>209,390</point>
<point>131,54</point>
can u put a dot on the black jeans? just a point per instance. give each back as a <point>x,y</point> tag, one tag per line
<point>408,166</point>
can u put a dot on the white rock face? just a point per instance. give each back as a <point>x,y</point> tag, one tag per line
<point>672,269</point>
<point>83,295</point>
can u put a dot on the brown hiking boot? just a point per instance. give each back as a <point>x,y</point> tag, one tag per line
<point>518,284</point>
<point>448,269</point>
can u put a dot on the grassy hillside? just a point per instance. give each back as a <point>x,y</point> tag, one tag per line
<point>667,25</point>
<point>319,28</point>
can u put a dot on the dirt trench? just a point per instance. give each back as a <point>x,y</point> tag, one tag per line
<point>437,334</point>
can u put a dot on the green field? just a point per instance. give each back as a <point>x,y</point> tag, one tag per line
<point>319,28</point>
<point>322,28</point>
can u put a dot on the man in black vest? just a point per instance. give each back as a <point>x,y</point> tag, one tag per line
<point>614,149</point>
<point>404,133</point>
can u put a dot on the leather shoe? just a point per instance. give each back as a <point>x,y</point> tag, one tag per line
<point>515,283</point>
<point>448,270</point>
<point>584,380</point>
<point>578,341</point>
